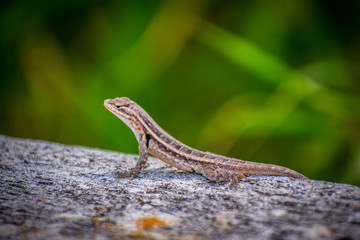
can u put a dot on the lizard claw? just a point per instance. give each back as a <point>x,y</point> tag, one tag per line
<point>123,174</point>
<point>234,180</point>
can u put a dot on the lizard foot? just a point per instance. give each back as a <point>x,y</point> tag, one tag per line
<point>125,175</point>
<point>234,180</point>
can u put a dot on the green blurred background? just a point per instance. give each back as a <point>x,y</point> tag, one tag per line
<point>267,81</point>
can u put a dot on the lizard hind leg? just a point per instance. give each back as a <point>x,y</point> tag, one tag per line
<point>234,180</point>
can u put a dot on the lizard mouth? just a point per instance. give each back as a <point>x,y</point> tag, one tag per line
<point>111,106</point>
<point>116,108</point>
<point>108,104</point>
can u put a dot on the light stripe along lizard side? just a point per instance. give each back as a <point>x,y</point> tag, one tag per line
<point>154,140</point>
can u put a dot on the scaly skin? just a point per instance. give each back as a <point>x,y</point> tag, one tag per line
<point>154,140</point>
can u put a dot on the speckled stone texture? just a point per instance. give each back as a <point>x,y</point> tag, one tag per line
<point>55,191</point>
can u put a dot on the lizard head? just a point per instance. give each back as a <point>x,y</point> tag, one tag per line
<point>128,111</point>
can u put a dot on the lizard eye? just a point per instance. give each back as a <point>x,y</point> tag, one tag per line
<point>121,106</point>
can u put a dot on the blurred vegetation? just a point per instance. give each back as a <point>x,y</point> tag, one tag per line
<point>267,81</point>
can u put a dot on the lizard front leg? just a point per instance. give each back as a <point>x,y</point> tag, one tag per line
<point>143,156</point>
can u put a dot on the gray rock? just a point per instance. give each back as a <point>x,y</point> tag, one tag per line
<point>55,191</point>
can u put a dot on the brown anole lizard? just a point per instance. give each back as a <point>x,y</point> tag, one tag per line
<point>154,140</point>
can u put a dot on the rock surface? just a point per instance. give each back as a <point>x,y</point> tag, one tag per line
<point>55,191</point>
